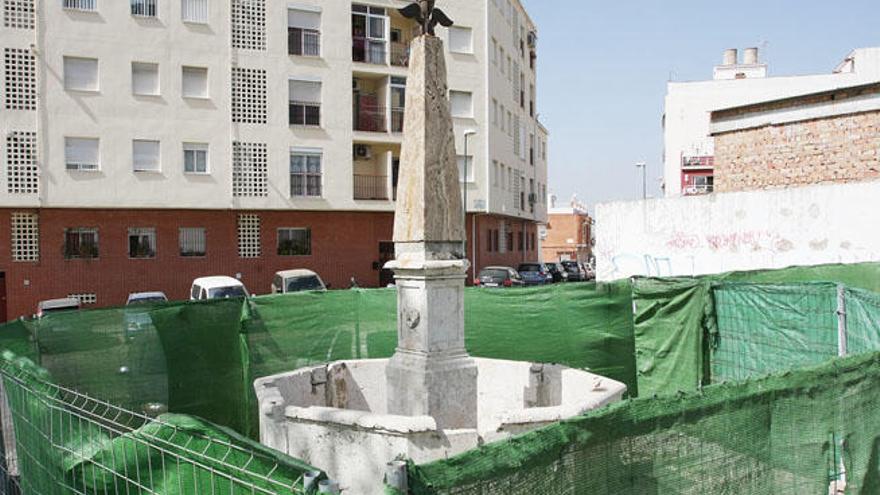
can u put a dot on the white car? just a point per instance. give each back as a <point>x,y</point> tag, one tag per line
<point>297,281</point>
<point>218,287</point>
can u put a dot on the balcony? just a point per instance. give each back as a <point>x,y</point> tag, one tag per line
<point>370,118</point>
<point>368,51</point>
<point>371,187</point>
<point>693,162</point>
<point>400,54</point>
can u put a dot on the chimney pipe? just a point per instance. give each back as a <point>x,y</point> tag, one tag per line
<point>750,57</point>
<point>730,57</point>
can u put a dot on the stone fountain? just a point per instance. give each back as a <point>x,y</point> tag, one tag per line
<point>432,399</point>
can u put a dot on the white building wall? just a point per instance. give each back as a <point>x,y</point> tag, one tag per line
<point>751,230</point>
<point>116,116</point>
<point>688,105</point>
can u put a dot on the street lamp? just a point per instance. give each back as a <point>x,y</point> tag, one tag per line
<point>467,134</point>
<point>643,166</point>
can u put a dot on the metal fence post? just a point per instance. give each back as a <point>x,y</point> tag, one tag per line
<point>841,320</point>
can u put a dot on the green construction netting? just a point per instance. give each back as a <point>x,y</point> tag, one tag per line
<point>67,443</point>
<point>806,431</point>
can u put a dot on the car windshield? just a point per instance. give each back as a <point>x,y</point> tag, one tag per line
<point>146,300</point>
<point>56,309</point>
<point>571,266</point>
<point>304,283</point>
<point>533,267</point>
<point>224,292</point>
<point>494,274</point>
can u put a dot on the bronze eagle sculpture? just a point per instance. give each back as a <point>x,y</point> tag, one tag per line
<point>426,15</point>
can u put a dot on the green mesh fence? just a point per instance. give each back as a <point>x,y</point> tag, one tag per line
<point>808,431</point>
<point>69,443</point>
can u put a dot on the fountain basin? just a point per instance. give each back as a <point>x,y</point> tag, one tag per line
<point>335,415</point>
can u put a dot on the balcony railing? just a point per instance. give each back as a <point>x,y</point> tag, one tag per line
<point>400,54</point>
<point>694,190</point>
<point>373,187</point>
<point>143,8</point>
<point>397,114</point>
<point>368,51</point>
<point>370,119</point>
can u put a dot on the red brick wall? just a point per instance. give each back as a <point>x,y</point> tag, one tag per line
<point>489,257</point>
<point>344,245</point>
<point>835,149</point>
<point>561,228</point>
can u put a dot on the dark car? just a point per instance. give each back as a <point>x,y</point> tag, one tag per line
<point>556,272</point>
<point>499,276</point>
<point>533,273</point>
<point>573,269</point>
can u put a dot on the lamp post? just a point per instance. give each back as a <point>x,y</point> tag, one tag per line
<point>467,134</point>
<point>643,166</point>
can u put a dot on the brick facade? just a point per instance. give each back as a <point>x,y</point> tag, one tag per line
<point>568,236</point>
<point>343,245</point>
<point>836,147</point>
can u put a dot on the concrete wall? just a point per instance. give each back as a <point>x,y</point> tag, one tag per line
<point>738,231</point>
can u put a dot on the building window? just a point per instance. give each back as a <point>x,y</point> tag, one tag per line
<point>249,24</point>
<point>144,8</point>
<point>461,104</point>
<point>521,241</point>
<point>142,243</point>
<point>80,74</point>
<point>195,11</point>
<point>144,78</point>
<point>80,243</point>
<point>305,102</point>
<point>25,237</point>
<point>89,5</point>
<point>249,96</point>
<point>494,173</point>
<point>494,51</point>
<point>192,242</point>
<point>249,170</point>
<point>494,112</point>
<point>18,14</point>
<point>460,39</point>
<point>22,175</point>
<point>294,242</point>
<point>369,42</point>
<point>195,82</point>
<point>89,298</point>
<point>303,32</point>
<point>249,236</point>
<point>145,155</point>
<point>305,173</point>
<point>81,154</point>
<point>195,158</point>
<point>495,246</point>
<point>465,166</point>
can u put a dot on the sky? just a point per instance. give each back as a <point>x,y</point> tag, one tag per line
<point>604,65</point>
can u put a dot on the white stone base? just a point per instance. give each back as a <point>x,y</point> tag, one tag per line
<point>335,416</point>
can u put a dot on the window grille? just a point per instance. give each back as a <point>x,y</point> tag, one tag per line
<point>294,242</point>
<point>194,11</point>
<point>142,243</point>
<point>192,242</point>
<point>249,236</point>
<point>81,243</point>
<point>89,5</point>
<point>249,170</point>
<point>85,298</point>
<point>144,8</point>
<point>25,237</point>
<point>22,175</point>
<point>248,96</point>
<point>305,174</point>
<point>18,14</point>
<point>20,78</point>
<point>249,24</point>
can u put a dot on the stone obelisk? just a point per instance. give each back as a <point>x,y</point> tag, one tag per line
<point>431,373</point>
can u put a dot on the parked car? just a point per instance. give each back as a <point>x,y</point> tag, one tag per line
<point>218,287</point>
<point>589,270</point>
<point>533,273</point>
<point>573,269</point>
<point>499,276</point>
<point>57,305</point>
<point>556,271</point>
<point>296,281</point>
<point>146,298</point>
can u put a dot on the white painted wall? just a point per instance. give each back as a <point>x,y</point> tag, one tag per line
<point>688,105</point>
<point>738,231</point>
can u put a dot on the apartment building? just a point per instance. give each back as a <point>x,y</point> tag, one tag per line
<point>689,149</point>
<point>148,142</point>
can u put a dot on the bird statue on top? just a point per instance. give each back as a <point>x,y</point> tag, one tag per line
<point>426,15</point>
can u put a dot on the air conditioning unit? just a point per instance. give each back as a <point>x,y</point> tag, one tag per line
<point>362,152</point>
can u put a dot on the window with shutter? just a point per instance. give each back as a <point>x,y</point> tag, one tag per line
<point>81,154</point>
<point>144,78</point>
<point>195,82</point>
<point>145,155</point>
<point>195,11</point>
<point>303,32</point>
<point>80,74</point>
<point>305,102</point>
